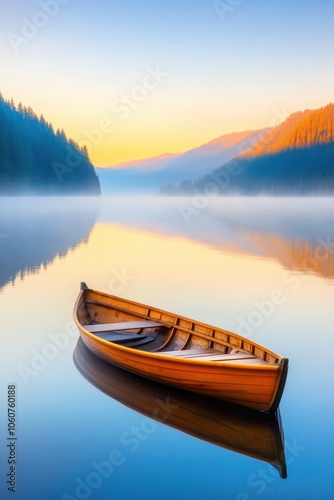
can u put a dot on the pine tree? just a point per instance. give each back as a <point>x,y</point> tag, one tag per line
<point>30,152</point>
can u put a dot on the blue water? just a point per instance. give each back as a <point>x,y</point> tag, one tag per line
<point>261,267</point>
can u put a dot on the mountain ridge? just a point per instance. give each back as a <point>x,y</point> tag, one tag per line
<point>300,130</point>
<point>193,163</point>
<point>295,157</point>
<point>144,164</point>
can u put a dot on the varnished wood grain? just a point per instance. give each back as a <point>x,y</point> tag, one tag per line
<point>191,355</point>
<point>125,325</point>
<point>252,433</point>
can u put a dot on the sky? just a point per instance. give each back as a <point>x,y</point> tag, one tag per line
<point>135,79</point>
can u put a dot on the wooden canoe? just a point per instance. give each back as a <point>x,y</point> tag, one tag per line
<point>180,352</point>
<point>249,432</point>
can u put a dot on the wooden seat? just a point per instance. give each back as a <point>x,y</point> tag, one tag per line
<point>228,359</point>
<point>125,325</point>
<point>190,353</point>
<point>209,354</point>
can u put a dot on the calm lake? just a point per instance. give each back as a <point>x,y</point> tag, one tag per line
<point>74,427</point>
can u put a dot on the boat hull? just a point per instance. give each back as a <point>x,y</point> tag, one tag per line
<point>249,432</point>
<point>257,386</point>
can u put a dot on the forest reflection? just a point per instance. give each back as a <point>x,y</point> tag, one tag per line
<point>297,233</point>
<point>316,257</point>
<point>34,231</point>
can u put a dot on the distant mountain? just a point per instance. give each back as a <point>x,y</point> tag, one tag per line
<point>146,164</point>
<point>36,160</point>
<point>296,157</point>
<point>148,175</point>
<point>200,160</point>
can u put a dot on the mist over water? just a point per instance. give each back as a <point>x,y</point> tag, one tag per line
<point>293,217</point>
<point>33,231</point>
<point>263,226</point>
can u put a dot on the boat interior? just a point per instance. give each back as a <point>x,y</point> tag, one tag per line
<point>168,340</point>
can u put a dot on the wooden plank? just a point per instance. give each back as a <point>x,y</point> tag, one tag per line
<point>126,303</point>
<point>233,357</point>
<point>248,385</point>
<point>199,354</point>
<point>209,354</point>
<point>248,360</point>
<point>252,361</point>
<point>182,329</point>
<point>189,352</point>
<point>125,325</point>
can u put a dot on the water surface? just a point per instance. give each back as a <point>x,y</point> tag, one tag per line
<point>259,266</point>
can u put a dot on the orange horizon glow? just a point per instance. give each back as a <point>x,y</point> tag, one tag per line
<point>154,79</point>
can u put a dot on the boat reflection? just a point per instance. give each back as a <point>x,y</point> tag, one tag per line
<point>255,434</point>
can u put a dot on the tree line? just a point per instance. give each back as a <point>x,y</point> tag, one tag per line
<point>34,159</point>
<point>294,158</point>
